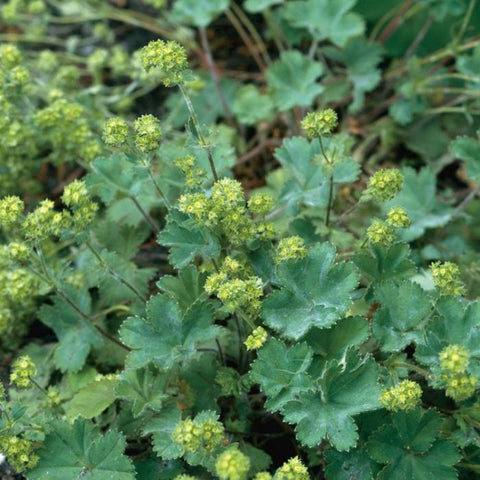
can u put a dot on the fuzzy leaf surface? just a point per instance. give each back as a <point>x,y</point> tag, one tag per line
<point>93,399</point>
<point>326,19</point>
<point>385,264</point>
<point>80,451</point>
<point>186,287</point>
<point>410,449</point>
<point>346,388</point>
<point>144,388</point>
<point>75,335</point>
<point>167,335</point>
<point>333,342</point>
<point>292,80</point>
<point>282,372</point>
<point>315,292</point>
<point>397,322</point>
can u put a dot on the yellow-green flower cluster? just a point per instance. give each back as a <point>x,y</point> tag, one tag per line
<point>194,175</point>
<point>44,222</point>
<point>316,124</point>
<point>294,469</point>
<point>385,184</point>
<point>460,387</point>
<point>232,464</point>
<point>260,203</point>
<point>454,360</point>
<point>53,397</point>
<point>115,132</point>
<point>18,252</point>
<point>64,125</point>
<point>235,287</point>
<point>19,452</point>
<point>256,339</point>
<point>10,55</point>
<point>11,211</point>
<point>168,57</point>
<point>76,196</point>
<point>23,369</point>
<point>199,434</point>
<point>147,133</point>
<point>17,301</point>
<point>446,277</point>
<point>290,248</point>
<point>263,476</point>
<point>398,217</point>
<point>381,233</point>
<point>224,210</point>
<point>405,396</point>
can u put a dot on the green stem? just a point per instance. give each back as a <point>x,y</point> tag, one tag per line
<point>201,138</point>
<point>145,215</point>
<point>114,274</point>
<point>330,184</point>
<point>409,366</point>
<point>157,187</point>
<point>49,281</point>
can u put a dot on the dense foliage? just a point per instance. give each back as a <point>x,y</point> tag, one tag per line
<point>240,240</point>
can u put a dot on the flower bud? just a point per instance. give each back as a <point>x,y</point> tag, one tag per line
<point>115,132</point>
<point>232,464</point>
<point>290,248</point>
<point>398,217</point>
<point>292,470</point>
<point>23,369</point>
<point>405,396</point>
<point>256,339</point>
<point>446,277</point>
<point>316,124</point>
<point>148,133</point>
<point>380,233</point>
<point>168,57</point>
<point>385,184</point>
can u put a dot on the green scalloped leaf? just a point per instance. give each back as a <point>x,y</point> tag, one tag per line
<point>468,150</point>
<point>92,399</point>
<point>353,465</point>
<point>251,107</point>
<point>410,450</point>
<point>398,321</point>
<point>381,264</point>
<point>292,80</point>
<point>361,58</point>
<point>144,388</point>
<point>315,292</point>
<point>326,19</point>
<point>75,335</point>
<point>457,323</point>
<point>334,342</point>
<point>186,287</point>
<point>186,240</point>
<point>167,335</point>
<point>199,13</point>
<point>79,450</point>
<point>346,388</point>
<point>282,372</point>
<point>162,426</point>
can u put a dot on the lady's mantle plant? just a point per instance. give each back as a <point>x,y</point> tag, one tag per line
<point>277,307</point>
